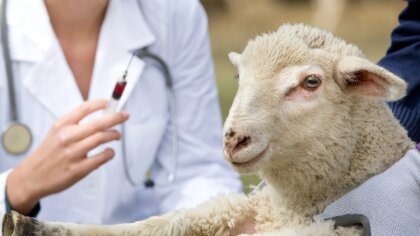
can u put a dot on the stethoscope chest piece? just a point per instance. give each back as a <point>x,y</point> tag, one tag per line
<point>17,138</point>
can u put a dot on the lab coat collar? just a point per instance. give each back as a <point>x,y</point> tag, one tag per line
<point>31,33</point>
<point>129,26</point>
<point>124,29</point>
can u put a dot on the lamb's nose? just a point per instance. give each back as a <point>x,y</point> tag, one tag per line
<point>234,143</point>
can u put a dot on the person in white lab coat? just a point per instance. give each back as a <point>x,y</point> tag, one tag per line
<point>67,52</point>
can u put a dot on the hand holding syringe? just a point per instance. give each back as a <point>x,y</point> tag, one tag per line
<point>65,156</point>
<point>118,91</point>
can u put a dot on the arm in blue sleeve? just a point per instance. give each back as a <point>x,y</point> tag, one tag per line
<point>403,59</point>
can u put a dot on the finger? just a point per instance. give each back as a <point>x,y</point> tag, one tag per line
<point>90,164</point>
<point>93,141</point>
<point>100,124</point>
<point>75,116</point>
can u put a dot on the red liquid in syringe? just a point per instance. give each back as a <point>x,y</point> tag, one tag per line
<point>116,95</point>
<point>119,89</point>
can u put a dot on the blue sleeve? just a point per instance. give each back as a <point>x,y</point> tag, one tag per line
<point>403,59</point>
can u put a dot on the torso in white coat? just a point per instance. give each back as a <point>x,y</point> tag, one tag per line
<point>46,90</point>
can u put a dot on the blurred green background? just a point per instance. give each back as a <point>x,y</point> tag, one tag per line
<point>366,23</point>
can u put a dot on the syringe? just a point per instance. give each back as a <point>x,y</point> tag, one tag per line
<point>118,90</point>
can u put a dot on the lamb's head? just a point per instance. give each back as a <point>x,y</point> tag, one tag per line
<point>298,87</point>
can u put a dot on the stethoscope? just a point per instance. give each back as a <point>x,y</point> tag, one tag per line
<point>17,137</point>
<point>145,54</point>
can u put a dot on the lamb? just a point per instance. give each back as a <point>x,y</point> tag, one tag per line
<point>309,117</point>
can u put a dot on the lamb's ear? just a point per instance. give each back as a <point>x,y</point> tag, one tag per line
<point>361,77</point>
<point>234,57</point>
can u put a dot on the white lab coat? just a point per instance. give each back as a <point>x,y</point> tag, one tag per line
<point>46,90</point>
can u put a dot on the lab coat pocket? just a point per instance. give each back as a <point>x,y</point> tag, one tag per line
<point>141,144</point>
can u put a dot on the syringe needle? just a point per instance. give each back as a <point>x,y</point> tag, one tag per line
<point>128,66</point>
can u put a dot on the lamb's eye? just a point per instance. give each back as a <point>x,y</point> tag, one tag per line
<point>236,76</point>
<point>312,82</point>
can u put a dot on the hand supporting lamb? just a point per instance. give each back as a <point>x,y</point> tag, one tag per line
<point>390,201</point>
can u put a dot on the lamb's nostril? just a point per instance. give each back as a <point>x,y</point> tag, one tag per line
<point>230,134</point>
<point>234,144</point>
<point>241,143</point>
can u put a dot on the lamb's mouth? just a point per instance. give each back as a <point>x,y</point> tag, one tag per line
<point>251,161</point>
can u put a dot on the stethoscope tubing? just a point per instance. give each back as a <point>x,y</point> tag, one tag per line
<point>146,54</point>
<point>14,128</point>
<point>7,61</point>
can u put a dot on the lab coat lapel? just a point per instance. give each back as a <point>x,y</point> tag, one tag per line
<point>53,86</point>
<point>32,38</point>
<point>123,31</point>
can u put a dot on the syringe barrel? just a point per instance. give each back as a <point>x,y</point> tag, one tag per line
<point>112,106</point>
<point>116,95</point>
